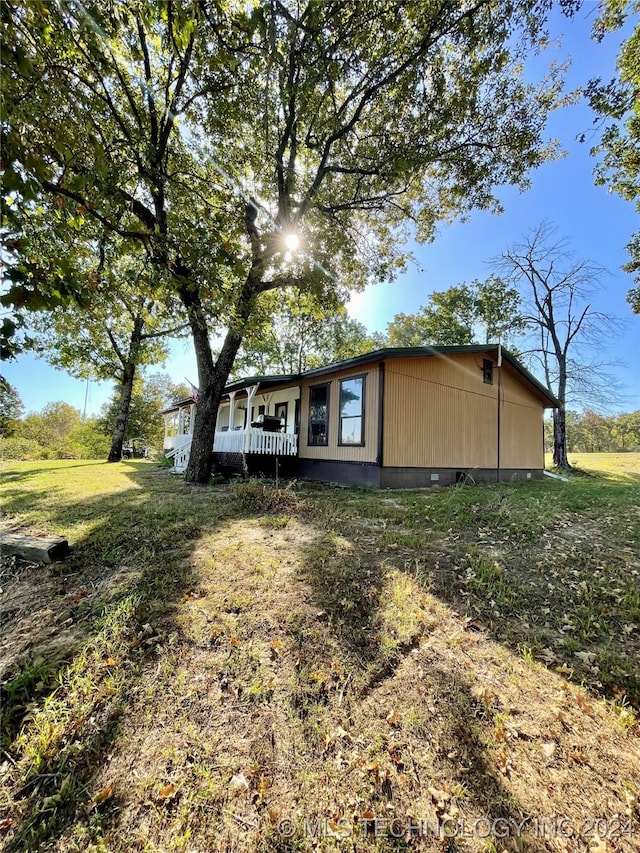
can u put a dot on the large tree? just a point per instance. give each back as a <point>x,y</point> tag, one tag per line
<point>569,334</point>
<point>293,330</point>
<point>11,408</point>
<point>481,312</point>
<point>335,123</point>
<point>150,394</point>
<point>617,105</point>
<point>126,328</point>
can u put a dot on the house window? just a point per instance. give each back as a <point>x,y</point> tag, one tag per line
<point>352,411</point>
<point>318,415</point>
<point>487,371</point>
<point>254,417</point>
<point>281,412</point>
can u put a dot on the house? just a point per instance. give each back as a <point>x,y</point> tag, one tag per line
<point>393,418</point>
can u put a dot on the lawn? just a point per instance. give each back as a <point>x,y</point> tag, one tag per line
<point>245,668</point>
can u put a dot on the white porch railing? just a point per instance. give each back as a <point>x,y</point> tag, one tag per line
<point>239,441</point>
<point>181,457</point>
<point>256,441</point>
<point>176,443</point>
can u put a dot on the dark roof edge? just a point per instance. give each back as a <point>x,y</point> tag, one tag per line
<point>176,405</point>
<point>239,384</point>
<point>513,361</point>
<point>381,355</point>
<point>409,352</point>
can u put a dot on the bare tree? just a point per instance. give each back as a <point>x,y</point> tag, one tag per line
<point>567,334</point>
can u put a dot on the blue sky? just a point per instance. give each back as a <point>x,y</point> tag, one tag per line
<point>597,224</point>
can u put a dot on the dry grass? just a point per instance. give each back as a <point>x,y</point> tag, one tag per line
<point>263,670</point>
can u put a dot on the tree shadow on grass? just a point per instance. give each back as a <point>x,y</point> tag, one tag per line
<point>549,570</point>
<point>129,572</point>
<point>352,589</point>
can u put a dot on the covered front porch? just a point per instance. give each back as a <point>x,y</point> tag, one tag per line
<point>256,419</point>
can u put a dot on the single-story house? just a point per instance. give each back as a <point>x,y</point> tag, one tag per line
<point>393,418</point>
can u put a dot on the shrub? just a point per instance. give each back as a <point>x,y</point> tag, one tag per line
<point>21,448</point>
<point>254,496</point>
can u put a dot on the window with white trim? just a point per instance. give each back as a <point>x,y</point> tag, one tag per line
<point>351,428</point>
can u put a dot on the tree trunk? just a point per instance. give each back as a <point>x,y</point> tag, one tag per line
<point>212,378</point>
<point>559,415</point>
<point>560,440</point>
<point>120,426</point>
<point>129,365</point>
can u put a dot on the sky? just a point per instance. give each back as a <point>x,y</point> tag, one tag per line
<point>596,223</point>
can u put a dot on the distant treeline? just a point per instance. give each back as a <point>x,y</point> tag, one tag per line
<point>589,432</point>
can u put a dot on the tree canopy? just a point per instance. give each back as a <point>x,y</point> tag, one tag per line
<point>130,318</point>
<point>11,408</point>
<point>209,133</point>
<point>617,104</point>
<point>149,395</point>
<point>292,332</point>
<point>480,312</point>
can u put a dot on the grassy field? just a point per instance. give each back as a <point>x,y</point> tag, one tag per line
<point>242,668</point>
<point>624,467</point>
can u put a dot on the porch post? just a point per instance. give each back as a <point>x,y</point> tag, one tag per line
<point>192,409</point>
<point>165,420</point>
<point>251,392</point>
<point>232,413</point>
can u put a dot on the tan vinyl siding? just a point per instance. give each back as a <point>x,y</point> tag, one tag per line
<point>333,451</point>
<point>522,418</point>
<point>438,413</point>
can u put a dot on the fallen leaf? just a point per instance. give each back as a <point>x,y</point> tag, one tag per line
<point>549,749</point>
<point>504,762</point>
<point>100,797</point>
<point>548,655</point>
<point>560,716</point>
<point>238,784</point>
<point>439,797</point>
<point>582,703</point>
<point>215,633</point>
<point>336,829</point>
<point>166,792</point>
<point>578,758</point>
<point>275,648</point>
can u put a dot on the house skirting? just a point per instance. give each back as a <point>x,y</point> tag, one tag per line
<point>257,464</point>
<point>365,473</point>
<point>417,478</point>
<point>358,473</point>
<point>349,473</point>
